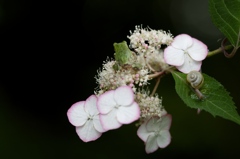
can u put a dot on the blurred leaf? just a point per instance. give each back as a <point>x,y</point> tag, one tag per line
<point>217,100</point>
<point>225,14</point>
<point>122,53</point>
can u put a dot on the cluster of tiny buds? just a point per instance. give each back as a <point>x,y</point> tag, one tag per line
<point>110,79</point>
<point>149,105</point>
<point>148,40</point>
<point>135,73</point>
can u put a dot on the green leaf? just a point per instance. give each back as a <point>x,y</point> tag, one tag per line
<point>122,53</point>
<point>225,14</point>
<point>217,100</point>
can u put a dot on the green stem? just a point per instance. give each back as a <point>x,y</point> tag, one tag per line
<point>219,50</point>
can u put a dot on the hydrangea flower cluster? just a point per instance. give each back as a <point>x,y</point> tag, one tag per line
<point>148,40</point>
<point>122,96</point>
<point>110,79</point>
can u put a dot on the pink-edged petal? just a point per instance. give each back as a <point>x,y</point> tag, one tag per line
<point>124,95</point>
<point>128,114</point>
<point>164,139</point>
<point>105,102</point>
<point>91,105</point>
<point>76,114</point>
<point>97,124</point>
<point>189,65</point>
<point>87,132</point>
<point>143,133</point>
<point>165,122</point>
<point>182,41</point>
<point>151,144</point>
<point>173,56</point>
<point>109,121</point>
<point>198,51</point>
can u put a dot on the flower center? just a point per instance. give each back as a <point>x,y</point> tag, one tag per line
<point>156,132</point>
<point>117,106</point>
<point>90,117</point>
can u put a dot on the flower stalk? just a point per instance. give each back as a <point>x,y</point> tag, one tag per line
<point>219,50</point>
<point>156,86</point>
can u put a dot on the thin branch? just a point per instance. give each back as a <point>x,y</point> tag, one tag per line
<point>219,50</point>
<point>156,86</point>
<point>151,76</point>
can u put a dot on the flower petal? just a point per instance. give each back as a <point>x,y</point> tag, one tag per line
<point>143,133</point>
<point>97,124</point>
<point>198,51</point>
<point>87,132</point>
<point>105,102</point>
<point>128,114</point>
<point>151,144</point>
<point>164,139</point>
<point>91,105</point>
<point>124,95</point>
<point>76,114</point>
<point>182,41</point>
<point>109,121</point>
<point>165,122</point>
<point>153,124</point>
<point>189,65</point>
<point>173,56</point>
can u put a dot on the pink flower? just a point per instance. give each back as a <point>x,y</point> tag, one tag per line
<point>155,132</point>
<point>85,117</point>
<point>186,53</point>
<point>118,107</point>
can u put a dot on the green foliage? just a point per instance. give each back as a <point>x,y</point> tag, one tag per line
<point>122,53</point>
<point>225,14</point>
<point>217,100</point>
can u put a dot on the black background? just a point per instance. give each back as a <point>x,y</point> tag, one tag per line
<point>50,52</point>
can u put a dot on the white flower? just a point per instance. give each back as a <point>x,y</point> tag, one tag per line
<point>186,53</point>
<point>155,132</point>
<point>85,117</point>
<point>117,107</point>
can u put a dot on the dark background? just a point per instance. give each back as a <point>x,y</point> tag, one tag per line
<point>50,52</point>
